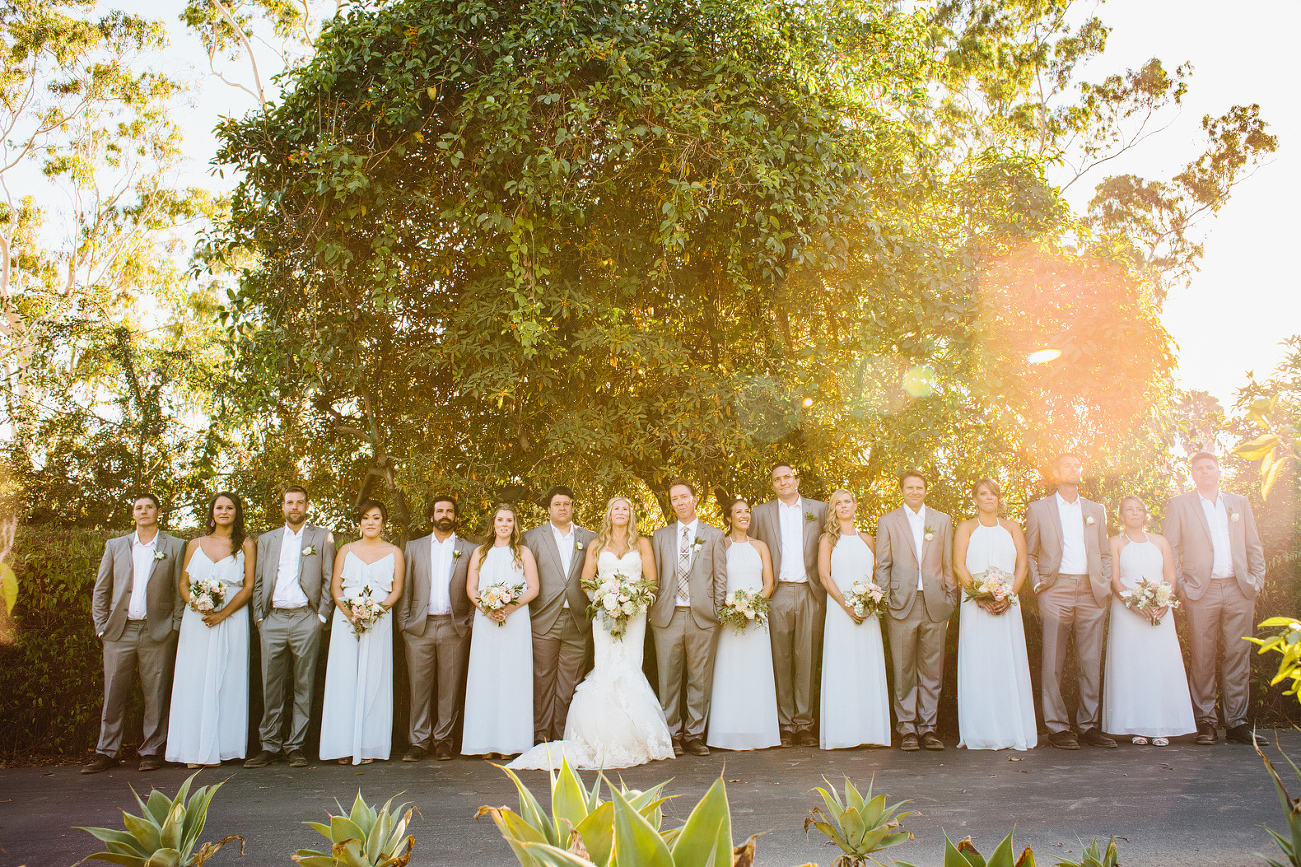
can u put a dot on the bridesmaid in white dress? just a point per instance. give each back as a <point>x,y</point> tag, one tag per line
<point>743,710</point>
<point>499,678</point>
<point>1145,688</point>
<point>357,722</point>
<point>855,706</point>
<point>209,713</point>
<point>995,698</point>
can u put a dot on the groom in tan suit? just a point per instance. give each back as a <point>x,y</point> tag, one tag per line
<point>692,572</point>
<point>1221,568</point>
<point>137,612</point>
<point>914,563</point>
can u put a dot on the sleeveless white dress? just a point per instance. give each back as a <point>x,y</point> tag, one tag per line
<point>208,722</point>
<point>615,720</point>
<point>855,706</point>
<point>995,698</point>
<point>499,678</point>
<point>1144,688</point>
<point>358,717</point>
<point>743,707</point>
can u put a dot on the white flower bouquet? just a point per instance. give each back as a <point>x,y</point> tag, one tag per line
<point>366,610</point>
<point>207,594</point>
<point>865,598</point>
<point>742,608</point>
<point>992,585</point>
<point>497,596</point>
<point>1147,596</point>
<point>617,598</point>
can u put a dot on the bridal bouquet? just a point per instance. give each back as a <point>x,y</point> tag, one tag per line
<point>1149,596</point>
<point>993,585</point>
<point>618,598</point>
<point>742,608</point>
<point>207,594</point>
<point>865,598</point>
<point>498,596</point>
<point>366,611</point>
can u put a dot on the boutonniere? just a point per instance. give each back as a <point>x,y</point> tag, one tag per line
<point>1088,520</point>
<point>162,555</point>
<point>1233,516</point>
<point>578,546</point>
<point>309,550</point>
<point>456,554</point>
<point>696,543</point>
<point>808,518</point>
<point>928,533</point>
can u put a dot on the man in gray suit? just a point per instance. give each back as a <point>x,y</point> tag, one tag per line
<point>292,605</point>
<point>1070,571</point>
<point>562,632</point>
<point>137,611</point>
<point>791,526</point>
<point>914,564</point>
<point>692,573</point>
<point>1220,568</point>
<point>435,619</point>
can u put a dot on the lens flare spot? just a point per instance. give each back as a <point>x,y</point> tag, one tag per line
<point>919,381</point>
<point>1044,356</point>
<point>808,401</point>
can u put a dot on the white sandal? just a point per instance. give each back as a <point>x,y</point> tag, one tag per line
<point>1160,742</point>
<point>1138,741</point>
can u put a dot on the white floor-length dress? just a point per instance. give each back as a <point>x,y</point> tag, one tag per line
<point>1145,687</point>
<point>208,722</point>
<point>358,716</point>
<point>855,706</point>
<point>995,697</point>
<point>743,704</point>
<point>615,720</point>
<point>499,679</point>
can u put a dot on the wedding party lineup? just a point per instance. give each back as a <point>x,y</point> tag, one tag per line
<point>771,631</point>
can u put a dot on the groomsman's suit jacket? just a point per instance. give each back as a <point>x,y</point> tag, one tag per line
<point>112,593</point>
<point>767,529</point>
<point>897,564</point>
<point>1043,540</point>
<point>555,587</point>
<point>707,580</point>
<point>1189,535</point>
<point>416,590</point>
<point>315,571</point>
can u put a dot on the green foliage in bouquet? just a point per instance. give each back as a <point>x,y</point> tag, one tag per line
<point>964,854</point>
<point>365,837</point>
<point>1288,643</point>
<point>165,833</point>
<point>1095,856</point>
<point>859,824</point>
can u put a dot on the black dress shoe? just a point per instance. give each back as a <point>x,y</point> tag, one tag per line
<point>442,752</point>
<point>1242,734</point>
<point>696,748</point>
<point>261,760</point>
<point>931,741</point>
<point>1063,740</point>
<point>1095,738</point>
<point>1206,734</point>
<point>150,763</point>
<point>806,739</point>
<point>296,759</point>
<point>414,754</point>
<point>100,764</point>
<point>909,743</point>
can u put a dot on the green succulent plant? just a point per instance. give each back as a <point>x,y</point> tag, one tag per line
<point>165,833</point>
<point>364,837</point>
<point>1094,856</point>
<point>859,824</point>
<point>1291,844</point>
<point>964,854</point>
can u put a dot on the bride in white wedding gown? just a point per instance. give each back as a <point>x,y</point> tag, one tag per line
<point>615,720</point>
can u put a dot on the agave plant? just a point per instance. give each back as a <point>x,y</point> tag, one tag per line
<point>964,854</point>
<point>1095,856</point>
<point>859,824</point>
<point>165,833</point>
<point>1291,844</point>
<point>365,837</point>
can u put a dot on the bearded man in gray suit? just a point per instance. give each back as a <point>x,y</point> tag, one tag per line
<point>436,615</point>
<point>692,575</point>
<point>1220,569</point>
<point>137,611</point>
<point>791,526</point>
<point>914,564</point>
<point>292,605</point>
<point>1070,571</point>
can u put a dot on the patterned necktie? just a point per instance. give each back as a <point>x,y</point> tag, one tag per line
<point>684,567</point>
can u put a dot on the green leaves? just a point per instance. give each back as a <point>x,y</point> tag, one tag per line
<point>362,837</point>
<point>858,824</point>
<point>165,834</point>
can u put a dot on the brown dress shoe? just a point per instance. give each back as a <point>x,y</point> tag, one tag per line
<point>261,760</point>
<point>150,763</point>
<point>100,764</point>
<point>696,748</point>
<point>788,739</point>
<point>1095,738</point>
<point>909,743</point>
<point>806,739</point>
<point>1206,734</point>
<point>296,759</point>
<point>931,741</point>
<point>442,752</point>
<point>414,754</point>
<point>1064,740</point>
<point>677,748</point>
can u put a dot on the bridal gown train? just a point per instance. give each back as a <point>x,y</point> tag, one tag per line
<point>615,720</point>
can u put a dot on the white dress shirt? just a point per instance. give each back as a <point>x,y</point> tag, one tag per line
<point>288,593</point>
<point>792,528</point>
<point>917,523</point>
<point>1075,557</point>
<point>1217,518</point>
<point>440,574</point>
<point>565,544</point>
<point>684,595</point>
<point>142,557</point>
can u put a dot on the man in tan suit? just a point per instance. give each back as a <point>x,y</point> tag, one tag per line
<point>791,526</point>
<point>692,573</point>
<point>1220,566</point>
<point>436,615</point>
<point>137,611</point>
<point>562,632</point>
<point>292,605</point>
<point>1070,571</point>
<point>914,563</point>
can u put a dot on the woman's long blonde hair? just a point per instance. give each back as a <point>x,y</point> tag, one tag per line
<point>833,523</point>
<point>606,535</point>
<point>515,536</point>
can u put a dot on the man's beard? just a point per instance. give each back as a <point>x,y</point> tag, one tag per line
<point>446,525</point>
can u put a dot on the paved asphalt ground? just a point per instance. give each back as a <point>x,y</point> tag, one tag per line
<point>1182,805</point>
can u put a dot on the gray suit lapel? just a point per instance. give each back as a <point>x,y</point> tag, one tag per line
<point>1056,524</point>
<point>1200,512</point>
<point>273,566</point>
<point>908,534</point>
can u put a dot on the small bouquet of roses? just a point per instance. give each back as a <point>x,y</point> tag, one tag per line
<point>1149,596</point>
<point>742,608</point>
<point>366,610</point>
<point>497,596</point>
<point>207,594</point>
<point>617,598</point>
<point>865,598</point>
<point>992,585</point>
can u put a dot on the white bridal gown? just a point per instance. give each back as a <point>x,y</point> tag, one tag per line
<point>615,720</point>
<point>1144,688</point>
<point>855,707</point>
<point>743,706</point>
<point>499,679</point>
<point>358,716</point>
<point>208,723</point>
<point>995,699</point>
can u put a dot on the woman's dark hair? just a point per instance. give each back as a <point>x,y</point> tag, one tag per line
<point>728,502</point>
<point>367,505</point>
<point>237,528</point>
